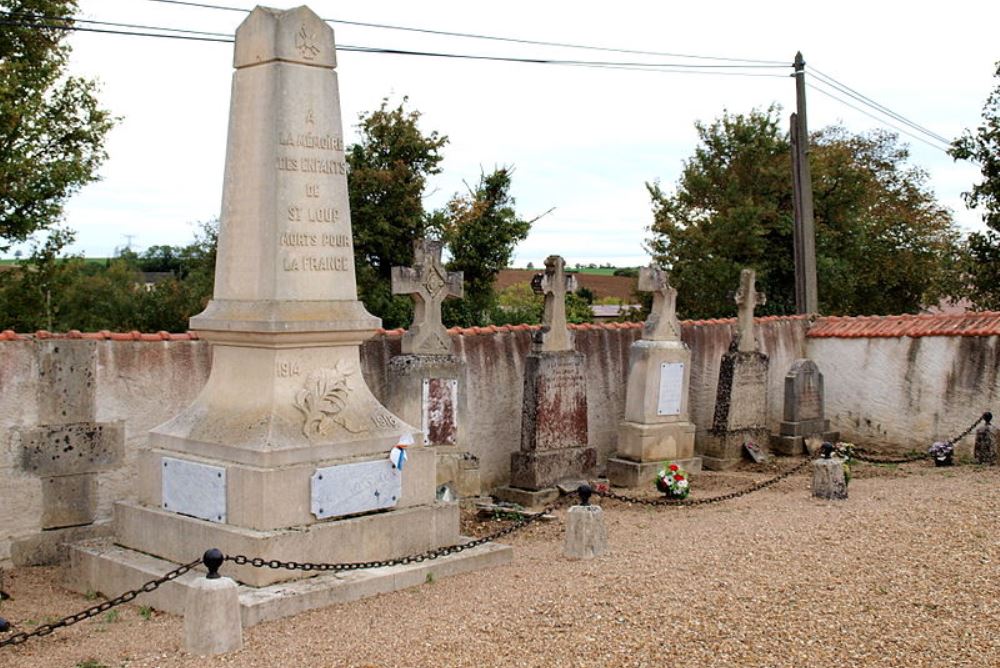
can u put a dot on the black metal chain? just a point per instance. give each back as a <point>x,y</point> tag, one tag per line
<point>711,499</point>
<point>257,562</point>
<point>93,611</point>
<point>858,452</point>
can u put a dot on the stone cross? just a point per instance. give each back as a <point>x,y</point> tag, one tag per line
<point>662,323</point>
<point>554,284</point>
<point>429,285</point>
<point>747,299</point>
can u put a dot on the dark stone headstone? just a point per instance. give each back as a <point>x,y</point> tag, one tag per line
<point>803,414</point>
<point>986,445</point>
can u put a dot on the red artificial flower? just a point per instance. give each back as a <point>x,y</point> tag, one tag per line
<point>674,467</point>
<point>678,476</point>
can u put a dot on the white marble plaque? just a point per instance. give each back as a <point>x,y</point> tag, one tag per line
<point>671,388</point>
<point>355,488</point>
<point>194,489</point>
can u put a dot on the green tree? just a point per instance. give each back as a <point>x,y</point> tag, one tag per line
<point>30,293</point>
<point>883,244</point>
<point>388,173</point>
<point>982,274</point>
<point>52,129</point>
<point>481,229</point>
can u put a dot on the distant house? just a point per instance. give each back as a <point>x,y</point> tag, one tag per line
<point>611,312</point>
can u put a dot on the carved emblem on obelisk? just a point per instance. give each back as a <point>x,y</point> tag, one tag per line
<point>323,399</point>
<point>305,42</point>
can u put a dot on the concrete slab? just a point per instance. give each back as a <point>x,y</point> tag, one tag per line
<point>626,473</point>
<point>99,565</point>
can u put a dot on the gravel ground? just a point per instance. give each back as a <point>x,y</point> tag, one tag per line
<point>904,573</point>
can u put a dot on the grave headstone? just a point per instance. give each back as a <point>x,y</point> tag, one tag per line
<point>741,397</point>
<point>803,410</point>
<point>254,462</point>
<point>656,425</point>
<point>427,382</point>
<point>554,434</point>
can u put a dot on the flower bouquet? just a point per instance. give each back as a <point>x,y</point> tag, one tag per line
<point>942,452</point>
<point>672,480</point>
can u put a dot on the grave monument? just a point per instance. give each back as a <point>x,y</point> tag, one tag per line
<point>656,426</point>
<point>554,415</point>
<point>803,410</point>
<point>741,398</point>
<point>426,380</point>
<point>285,453</point>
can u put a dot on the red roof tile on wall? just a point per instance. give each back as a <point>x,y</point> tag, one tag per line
<point>982,323</point>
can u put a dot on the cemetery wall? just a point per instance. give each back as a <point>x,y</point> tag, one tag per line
<point>908,392</point>
<point>91,399</point>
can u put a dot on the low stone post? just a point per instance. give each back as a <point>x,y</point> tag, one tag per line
<point>586,535</point>
<point>212,612</point>
<point>986,443</point>
<point>828,476</point>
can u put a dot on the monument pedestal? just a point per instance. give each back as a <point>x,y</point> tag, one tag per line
<point>425,390</point>
<point>656,427</point>
<point>740,410</point>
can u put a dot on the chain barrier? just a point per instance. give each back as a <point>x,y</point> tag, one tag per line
<point>257,562</point>
<point>711,499</point>
<point>93,611</point>
<point>860,456</point>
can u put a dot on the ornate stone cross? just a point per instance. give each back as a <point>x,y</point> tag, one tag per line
<point>429,285</point>
<point>554,284</point>
<point>747,299</point>
<point>662,323</point>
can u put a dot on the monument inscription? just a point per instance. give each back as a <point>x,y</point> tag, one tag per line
<point>671,388</point>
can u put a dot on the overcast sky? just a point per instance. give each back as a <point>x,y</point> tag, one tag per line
<point>583,141</point>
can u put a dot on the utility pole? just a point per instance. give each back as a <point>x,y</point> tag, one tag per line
<point>804,233</point>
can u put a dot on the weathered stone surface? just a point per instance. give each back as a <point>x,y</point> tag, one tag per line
<point>554,284</point>
<point>555,402</point>
<point>68,501</point>
<point>986,445</point>
<point>429,283</point>
<point>662,323</point>
<point>803,392</point>
<point>747,299</point>
<point>655,442</point>
<point>52,546</point>
<point>586,535</point>
<point>293,36</point>
<point>69,449</point>
<point>212,617</point>
<point>740,410</point>
<point>828,479</point>
<point>66,372</point>
<point>541,469</point>
<point>627,473</point>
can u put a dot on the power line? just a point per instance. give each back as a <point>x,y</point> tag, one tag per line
<point>639,66</point>
<point>512,40</point>
<point>867,101</point>
<point>873,116</point>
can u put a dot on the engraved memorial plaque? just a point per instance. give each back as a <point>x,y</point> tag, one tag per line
<point>194,489</point>
<point>671,388</point>
<point>355,488</point>
<point>439,419</point>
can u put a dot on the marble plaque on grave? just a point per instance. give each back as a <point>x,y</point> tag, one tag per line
<point>355,488</point>
<point>194,489</point>
<point>671,388</point>
<point>439,419</point>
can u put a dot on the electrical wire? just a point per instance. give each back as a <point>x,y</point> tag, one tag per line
<point>867,101</point>
<point>512,40</point>
<point>638,66</point>
<point>873,116</point>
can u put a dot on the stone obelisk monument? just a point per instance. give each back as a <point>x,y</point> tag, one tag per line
<point>285,453</point>
<point>657,426</point>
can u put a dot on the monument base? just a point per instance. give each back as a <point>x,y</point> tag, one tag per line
<point>626,473</point>
<point>459,469</point>
<point>724,451</point>
<point>380,535</point>
<point>526,498</point>
<point>655,442</point>
<point>99,565</point>
<point>796,445</point>
<point>540,469</point>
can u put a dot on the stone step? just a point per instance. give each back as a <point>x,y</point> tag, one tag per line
<point>101,566</point>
